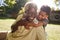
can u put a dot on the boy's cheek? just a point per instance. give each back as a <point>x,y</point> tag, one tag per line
<point>39,18</point>
<point>46,17</point>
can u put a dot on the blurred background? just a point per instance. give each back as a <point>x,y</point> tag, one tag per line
<point>10,9</point>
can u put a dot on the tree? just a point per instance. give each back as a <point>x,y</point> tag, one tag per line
<point>19,4</point>
<point>57,2</point>
<point>10,3</point>
<point>14,6</point>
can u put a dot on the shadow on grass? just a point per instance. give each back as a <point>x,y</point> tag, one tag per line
<point>6,18</point>
<point>54,22</point>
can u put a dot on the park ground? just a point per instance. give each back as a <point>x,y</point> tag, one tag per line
<point>53,30</point>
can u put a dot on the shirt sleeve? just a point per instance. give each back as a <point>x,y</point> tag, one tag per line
<point>18,18</point>
<point>45,22</point>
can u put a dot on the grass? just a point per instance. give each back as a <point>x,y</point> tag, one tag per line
<point>5,24</point>
<point>53,30</point>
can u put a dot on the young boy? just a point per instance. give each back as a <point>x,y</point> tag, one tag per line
<point>44,14</point>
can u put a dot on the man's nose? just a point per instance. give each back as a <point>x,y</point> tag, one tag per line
<point>43,17</point>
<point>31,17</point>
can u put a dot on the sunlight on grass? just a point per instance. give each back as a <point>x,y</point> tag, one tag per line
<point>5,24</point>
<point>53,31</point>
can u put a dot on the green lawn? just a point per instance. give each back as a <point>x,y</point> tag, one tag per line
<point>53,31</point>
<point>5,24</point>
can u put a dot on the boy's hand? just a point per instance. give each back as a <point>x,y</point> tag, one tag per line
<point>37,25</point>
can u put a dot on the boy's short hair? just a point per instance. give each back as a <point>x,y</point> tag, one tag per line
<point>46,9</point>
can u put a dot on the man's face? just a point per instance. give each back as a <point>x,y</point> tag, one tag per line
<point>31,14</point>
<point>42,15</point>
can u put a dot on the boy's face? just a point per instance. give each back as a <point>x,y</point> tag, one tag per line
<point>42,15</point>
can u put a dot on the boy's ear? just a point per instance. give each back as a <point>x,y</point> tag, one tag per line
<point>47,15</point>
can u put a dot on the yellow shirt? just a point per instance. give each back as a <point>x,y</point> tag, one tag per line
<point>34,33</point>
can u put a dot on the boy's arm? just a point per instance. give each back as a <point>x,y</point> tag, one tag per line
<point>45,22</point>
<point>40,23</point>
<point>35,23</point>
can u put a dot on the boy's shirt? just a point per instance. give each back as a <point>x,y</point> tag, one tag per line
<point>45,21</point>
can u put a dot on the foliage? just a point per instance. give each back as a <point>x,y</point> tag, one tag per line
<point>14,6</point>
<point>19,4</point>
<point>10,3</point>
<point>22,10</point>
